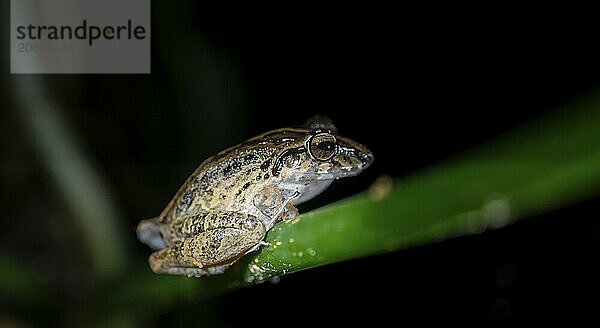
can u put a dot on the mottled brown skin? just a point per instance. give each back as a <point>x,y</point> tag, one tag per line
<point>227,205</point>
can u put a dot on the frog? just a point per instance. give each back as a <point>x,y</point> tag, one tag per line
<point>225,208</point>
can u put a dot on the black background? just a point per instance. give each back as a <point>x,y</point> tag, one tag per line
<point>419,85</point>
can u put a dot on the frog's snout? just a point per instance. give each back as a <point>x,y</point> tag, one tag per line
<point>367,158</point>
<point>360,156</point>
<point>351,158</point>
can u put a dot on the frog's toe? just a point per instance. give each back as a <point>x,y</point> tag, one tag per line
<point>257,246</point>
<point>217,269</point>
<point>189,272</point>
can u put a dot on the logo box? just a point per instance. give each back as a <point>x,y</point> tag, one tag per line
<point>80,36</point>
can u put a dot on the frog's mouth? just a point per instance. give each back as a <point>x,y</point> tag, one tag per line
<point>324,173</point>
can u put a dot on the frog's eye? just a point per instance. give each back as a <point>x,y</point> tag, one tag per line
<point>322,146</point>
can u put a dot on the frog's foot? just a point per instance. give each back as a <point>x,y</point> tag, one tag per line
<point>148,232</point>
<point>197,272</point>
<point>190,272</point>
<point>290,212</point>
<point>287,212</point>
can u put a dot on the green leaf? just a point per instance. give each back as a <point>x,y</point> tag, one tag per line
<point>544,165</point>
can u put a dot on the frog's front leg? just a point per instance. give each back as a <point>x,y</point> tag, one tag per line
<point>289,212</point>
<point>229,236</point>
<point>275,204</point>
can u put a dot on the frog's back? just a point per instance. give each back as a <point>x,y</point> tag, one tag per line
<point>226,179</point>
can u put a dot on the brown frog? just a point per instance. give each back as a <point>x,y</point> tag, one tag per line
<point>225,208</point>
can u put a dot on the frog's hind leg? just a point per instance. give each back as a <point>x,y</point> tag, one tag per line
<point>210,252</point>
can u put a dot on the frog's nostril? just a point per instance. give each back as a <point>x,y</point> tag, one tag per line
<point>367,158</point>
